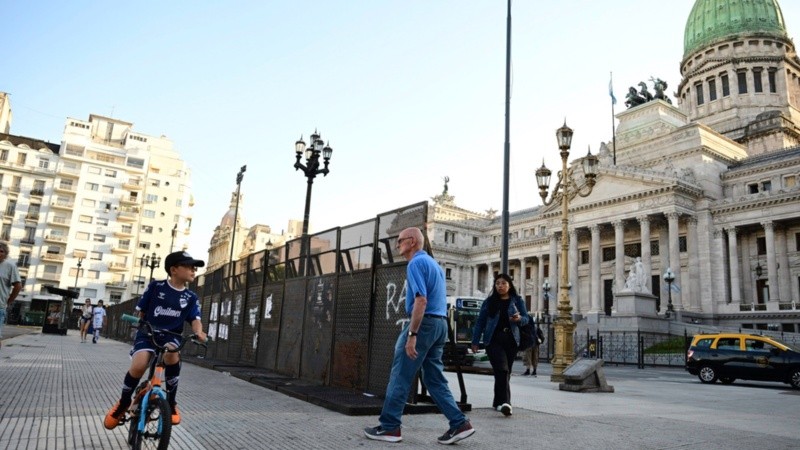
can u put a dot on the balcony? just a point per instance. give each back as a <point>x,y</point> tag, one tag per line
<point>29,241</point>
<point>133,184</point>
<point>60,204</point>
<point>59,238</point>
<point>118,267</point>
<point>55,257</point>
<point>65,187</point>
<point>121,249</point>
<point>753,307</point>
<point>117,284</point>
<point>9,212</point>
<point>58,221</point>
<point>788,306</point>
<point>124,232</point>
<point>33,217</point>
<point>69,172</point>
<point>14,189</point>
<point>128,214</point>
<point>129,200</point>
<point>37,192</point>
<point>50,276</point>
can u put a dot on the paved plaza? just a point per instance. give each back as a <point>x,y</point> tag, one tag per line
<point>54,392</point>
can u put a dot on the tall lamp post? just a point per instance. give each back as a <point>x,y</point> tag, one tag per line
<point>565,189</point>
<point>310,169</point>
<point>669,278</point>
<point>152,261</point>
<point>239,178</point>
<point>77,273</point>
<point>174,233</point>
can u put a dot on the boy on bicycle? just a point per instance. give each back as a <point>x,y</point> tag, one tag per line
<point>165,305</point>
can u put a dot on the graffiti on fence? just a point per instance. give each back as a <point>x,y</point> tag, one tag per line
<point>395,303</point>
<point>268,307</point>
<point>237,310</point>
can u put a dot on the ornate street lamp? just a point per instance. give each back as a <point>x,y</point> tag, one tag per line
<point>310,169</point>
<point>546,289</point>
<point>759,270</point>
<point>565,189</point>
<point>669,278</point>
<point>152,261</point>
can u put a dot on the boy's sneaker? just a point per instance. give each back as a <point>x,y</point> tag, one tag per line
<point>94,340</point>
<point>505,408</point>
<point>115,415</point>
<point>379,434</point>
<point>455,435</point>
<point>176,415</point>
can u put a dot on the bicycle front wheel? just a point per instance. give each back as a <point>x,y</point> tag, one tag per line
<point>157,426</point>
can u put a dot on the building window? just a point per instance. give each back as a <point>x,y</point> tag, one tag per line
<point>155,183</point>
<point>773,88</point>
<point>92,186</point>
<point>85,219</point>
<point>111,173</point>
<point>584,256</point>
<point>449,237</point>
<point>797,242</point>
<point>475,241</point>
<point>757,86</point>
<point>81,236</point>
<point>24,259</point>
<point>21,158</point>
<point>609,254</point>
<point>85,202</point>
<point>115,297</point>
<point>761,245</point>
<point>91,293</point>
<point>99,238</point>
<point>698,88</point>
<point>144,245</point>
<point>108,190</point>
<point>752,188</point>
<point>149,213</point>
<point>96,256</point>
<point>101,221</point>
<point>448,273</point>
<point>766,186</point>
<point>633,250</point>
<point>789,181</point>
<point>712,90</point>
<point>741,78</point>
<point>654,248</point>
<point>682,244</point>
<point>147,229</point>
<point>94,170</point>
<point>3,155</point>
<point>44,163</point>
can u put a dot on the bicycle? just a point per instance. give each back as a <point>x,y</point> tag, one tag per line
<point>150,414</point>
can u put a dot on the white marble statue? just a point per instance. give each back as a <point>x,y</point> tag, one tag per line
<point>637,278</point>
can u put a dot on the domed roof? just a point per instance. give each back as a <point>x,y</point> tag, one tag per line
<point>713,20</point>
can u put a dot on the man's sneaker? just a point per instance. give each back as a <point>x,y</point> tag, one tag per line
<point>457,434</point>
<point>505,408</point>
<point>115,415</point>
<point>379,434</point>
<point>176,415</point>
<point>527,372</point>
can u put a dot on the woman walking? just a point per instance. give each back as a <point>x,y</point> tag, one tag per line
<point>86,317</point>
<point>498,324</point>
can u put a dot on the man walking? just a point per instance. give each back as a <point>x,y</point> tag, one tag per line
<point>420,345</point>
<point>10,285</point>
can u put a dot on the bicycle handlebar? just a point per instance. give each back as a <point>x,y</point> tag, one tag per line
<point>134,320</point>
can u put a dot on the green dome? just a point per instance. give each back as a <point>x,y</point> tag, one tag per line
<point>712,20</point>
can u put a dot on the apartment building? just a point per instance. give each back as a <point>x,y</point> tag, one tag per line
<point>86,213</point>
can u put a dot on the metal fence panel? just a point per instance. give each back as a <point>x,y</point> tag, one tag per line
<point>251,311</point>
<point>388,319</point>
<point>291,328</point>
<point>270,325</point>
<point>318,329</point>
<point>351,330</point>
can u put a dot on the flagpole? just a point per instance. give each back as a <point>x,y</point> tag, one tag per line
<point>613,127</point>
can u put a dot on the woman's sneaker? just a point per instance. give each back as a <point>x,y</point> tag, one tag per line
<point>457,434</point>
<point>379,434</point>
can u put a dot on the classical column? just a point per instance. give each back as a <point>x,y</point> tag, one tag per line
<point>644,226</point>
<point>772,266</point>
<point>540,272</point>
<point>675,259</point>
<point>573,271</point>
<point>733,264</point>
<point>784,275</point>
<point>619,255</point>
<point>459,289</point>
<point>521,286</point>
<point>475,273</point>
<point>554,278</point>
<point>692,300</point>
<point>535,285</point>
<point>595,268</point>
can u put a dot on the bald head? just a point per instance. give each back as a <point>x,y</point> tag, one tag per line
<point>410,241</point>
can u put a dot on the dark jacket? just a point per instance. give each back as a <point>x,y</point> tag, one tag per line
<point>485,325</point>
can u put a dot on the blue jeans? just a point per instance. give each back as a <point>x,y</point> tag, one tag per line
<point>2,320</point>
<point>430,346</point>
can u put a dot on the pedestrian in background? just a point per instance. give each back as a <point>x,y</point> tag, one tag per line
<point>98,320</point>
<point>498,324</point>
<point>420,346</point>
<point>86,317</point>
<point>530,357</point>
<point>10,285</point>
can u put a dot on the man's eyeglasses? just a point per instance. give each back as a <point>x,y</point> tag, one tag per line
<point>400,241</point>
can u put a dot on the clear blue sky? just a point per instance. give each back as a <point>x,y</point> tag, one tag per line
<point>406,91</point>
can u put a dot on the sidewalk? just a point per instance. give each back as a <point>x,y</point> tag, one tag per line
<point>55,392</point>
